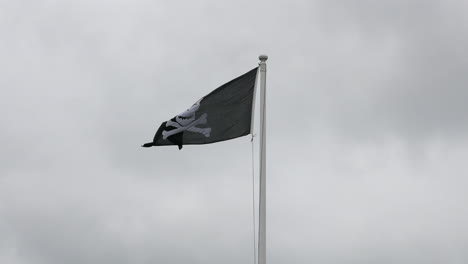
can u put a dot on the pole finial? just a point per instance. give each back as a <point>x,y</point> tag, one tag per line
<point>263,58</point>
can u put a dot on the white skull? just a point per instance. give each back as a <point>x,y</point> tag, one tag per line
<point>186,122</point>
<point>187,117</point>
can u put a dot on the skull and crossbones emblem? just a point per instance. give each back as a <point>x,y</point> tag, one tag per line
<point>186,121</point>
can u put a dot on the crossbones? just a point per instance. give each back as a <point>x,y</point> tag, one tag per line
<point>186,122</point>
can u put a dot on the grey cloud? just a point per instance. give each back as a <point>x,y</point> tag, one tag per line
<point>416,53</point>
<point>366,118</point>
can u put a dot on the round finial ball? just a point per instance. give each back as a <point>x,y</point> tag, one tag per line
<point>263,57</point>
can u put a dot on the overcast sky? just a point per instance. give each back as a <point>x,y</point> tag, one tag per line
<point>367,131</point>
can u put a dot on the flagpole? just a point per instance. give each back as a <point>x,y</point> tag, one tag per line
<point>262,194</point>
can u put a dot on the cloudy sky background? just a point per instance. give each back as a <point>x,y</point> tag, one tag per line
<point>367,131</point>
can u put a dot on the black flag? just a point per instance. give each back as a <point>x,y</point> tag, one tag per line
<point>223,114</point>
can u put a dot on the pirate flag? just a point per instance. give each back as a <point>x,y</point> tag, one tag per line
<point>223,114</point>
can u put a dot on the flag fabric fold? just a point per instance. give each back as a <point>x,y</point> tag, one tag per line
<point>223,114</point>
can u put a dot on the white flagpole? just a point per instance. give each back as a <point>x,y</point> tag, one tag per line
<point>262,201</point>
